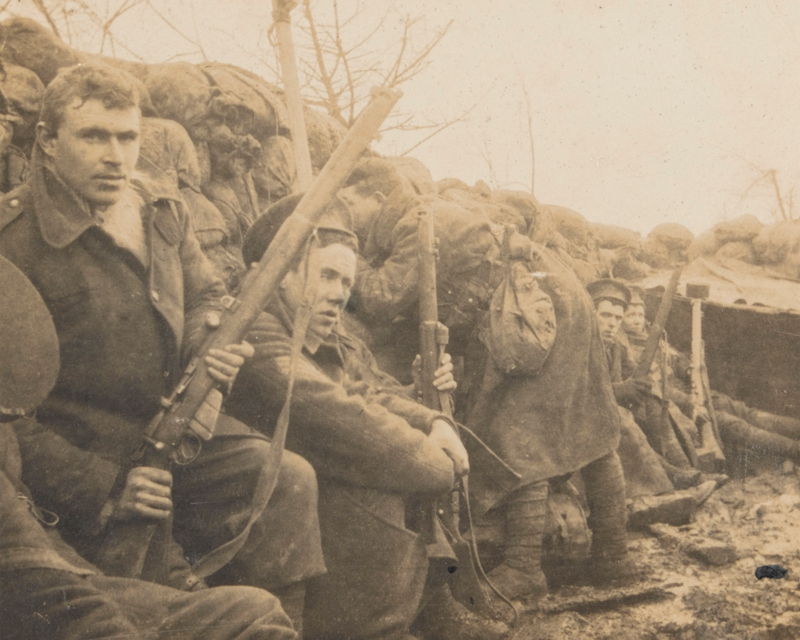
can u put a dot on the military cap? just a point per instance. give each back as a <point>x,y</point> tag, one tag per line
<point>637,295</point>
<point>29,356</point>
<point>335,224</point>
<point>608,289</point>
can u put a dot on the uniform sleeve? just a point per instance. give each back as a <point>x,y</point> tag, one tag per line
<point>344,435</point>
<point>628,365</point>
<point>386,290</point>
<point>62,477</point>
<point>202,290</point>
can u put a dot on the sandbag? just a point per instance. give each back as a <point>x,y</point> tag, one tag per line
<point>656,254</point>
<point>167,154</point>
<point>417,173</point>
<point>673,236</point>
<point>23,91</point>
<point>324,135</point>
<point>496,213</point>
<point>274,171</point>
<point>179,91</point>
<point>629,268</point>
<point>451,183</point>
<point>269,113</point>
<point>706,244</point>
<point>524,203</point>
<point>738,251</point>
<point>611,237</point>
<point>585,270</point>
<point>28,44</point>
<point>570,224</point>
<point>741,229</point>
<point>776,241</point>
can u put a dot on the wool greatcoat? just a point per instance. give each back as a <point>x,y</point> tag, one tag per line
<point>48,591</point>
<point>367,444</point>
<point>124,331</point>
<point>557,421</point>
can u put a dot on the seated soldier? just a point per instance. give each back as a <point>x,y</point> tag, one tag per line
<point>739,424</point>
<point>130,293</point>
<point>646,473</point>
<point>374,450</point>
<point>46,589</point>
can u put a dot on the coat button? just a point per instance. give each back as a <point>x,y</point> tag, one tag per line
<point>155,295</point>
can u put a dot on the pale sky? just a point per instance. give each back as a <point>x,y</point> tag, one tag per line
<point>643,112</point>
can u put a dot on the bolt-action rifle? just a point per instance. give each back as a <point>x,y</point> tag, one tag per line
<point>181,426</point>
<point>433,339</point>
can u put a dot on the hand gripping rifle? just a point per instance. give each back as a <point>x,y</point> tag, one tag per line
<point>433,338</point>
<point>180,423</point>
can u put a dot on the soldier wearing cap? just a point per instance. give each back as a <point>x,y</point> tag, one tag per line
<point>611,299</point>
<point>122,273</point>
<point>46,588</point>
<point>373,447</point>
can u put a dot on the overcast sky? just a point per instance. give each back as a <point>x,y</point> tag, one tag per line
<point>643,112</point>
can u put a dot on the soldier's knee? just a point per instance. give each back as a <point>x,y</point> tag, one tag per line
<point>298,478</point>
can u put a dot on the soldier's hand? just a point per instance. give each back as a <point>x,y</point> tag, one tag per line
<point>224,364</point>
<point>443,379</point>
<point>147,494</point>
<point>442,435</point>
<point>632,390</point>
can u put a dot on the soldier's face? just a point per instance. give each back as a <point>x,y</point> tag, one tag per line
<point>609,319</point>
<point>95,150</point>
<point>634,318</point>
<point>337,271</point>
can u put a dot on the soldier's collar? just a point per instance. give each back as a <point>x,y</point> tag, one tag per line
<point>63,216</point>
<point>277,308</point>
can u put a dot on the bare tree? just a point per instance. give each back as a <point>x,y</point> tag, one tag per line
<point>770,177</point>
<point>342,63</point>
<point>93,26</point>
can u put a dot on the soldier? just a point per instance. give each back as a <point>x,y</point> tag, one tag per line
<point>545,425</point>
<point>129,291</point>
<point>739,425</point>
<point>46,589</point>
<point>374,450</point>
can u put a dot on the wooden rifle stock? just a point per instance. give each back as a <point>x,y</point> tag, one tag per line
<point>433,338</point>
<point>124,550</point>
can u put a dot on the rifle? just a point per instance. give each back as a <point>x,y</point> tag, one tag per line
<point>433,338</point>
<point>180,422</point>
<point>710,454</point>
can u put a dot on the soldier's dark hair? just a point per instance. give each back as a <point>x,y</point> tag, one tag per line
<point>374,174</point>
<point>116,89</point>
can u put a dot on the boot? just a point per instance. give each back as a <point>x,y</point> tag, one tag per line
<point>681,478</point>
<point>444,617</point>
<point>520,573</point>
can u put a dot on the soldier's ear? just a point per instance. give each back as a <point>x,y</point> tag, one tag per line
<point>46,138</point>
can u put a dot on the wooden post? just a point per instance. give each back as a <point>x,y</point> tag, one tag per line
<point>281,10</point>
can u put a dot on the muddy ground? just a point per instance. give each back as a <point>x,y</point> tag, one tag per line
<point>702,583</point>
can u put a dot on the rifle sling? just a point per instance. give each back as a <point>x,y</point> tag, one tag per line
<point>268,478</point>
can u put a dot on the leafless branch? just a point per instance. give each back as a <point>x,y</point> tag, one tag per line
<point>39,4</point>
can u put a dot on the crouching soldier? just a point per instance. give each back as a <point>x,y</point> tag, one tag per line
<point>46,589</point>
<point>373,449</point>
<point>130,291</point>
